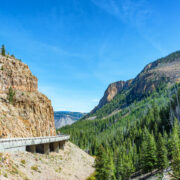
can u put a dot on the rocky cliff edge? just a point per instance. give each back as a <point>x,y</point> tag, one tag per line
<point>24,112</point>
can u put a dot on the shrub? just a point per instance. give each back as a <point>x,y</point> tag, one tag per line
<point>11,95</point>
<point>23,161</point>
<point>34,168</point>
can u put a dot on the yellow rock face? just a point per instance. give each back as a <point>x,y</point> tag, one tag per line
<point>30,114</point>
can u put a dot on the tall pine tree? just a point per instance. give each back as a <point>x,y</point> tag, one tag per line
<point>148,152</point>
<point>162,161</point>
<point>3,51</point>
<point>104,165</point>
<point>175,151</point>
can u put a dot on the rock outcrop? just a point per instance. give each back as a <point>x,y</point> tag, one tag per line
<point>112,90</point>
<point>30,113</point>
<point>156,74</point>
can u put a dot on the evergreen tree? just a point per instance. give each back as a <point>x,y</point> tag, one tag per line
<point>162,161</point>
<point>127,166</point>
<point>148,152</point>
<point>119,166</point>
<point>124,165</point>
<point>109,166</point>
<point>175,151</point>
<point>99,163</point>
<point>3,51</point>
<point>104,165</point>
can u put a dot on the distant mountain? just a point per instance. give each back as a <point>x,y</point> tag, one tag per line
<point>63,118</point>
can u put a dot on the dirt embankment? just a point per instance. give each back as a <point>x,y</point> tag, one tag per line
<point>69,164</point>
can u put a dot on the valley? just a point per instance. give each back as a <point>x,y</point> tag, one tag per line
<point>89,90</point>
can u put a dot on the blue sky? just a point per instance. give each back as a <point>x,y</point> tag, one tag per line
<point>77,47</point>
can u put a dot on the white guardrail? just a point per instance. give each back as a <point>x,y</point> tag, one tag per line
<point>18,142</point>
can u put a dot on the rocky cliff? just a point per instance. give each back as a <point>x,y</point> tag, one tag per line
<point>24,112</point>
<point>163,71</point>
<point>112,90</point>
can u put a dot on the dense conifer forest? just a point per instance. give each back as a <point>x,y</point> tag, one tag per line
<point>142,138</point>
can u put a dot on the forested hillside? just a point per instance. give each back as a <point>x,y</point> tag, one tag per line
<point>143,135</point>
<point>143,139</point>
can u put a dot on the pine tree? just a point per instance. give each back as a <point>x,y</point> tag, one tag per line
<point>128,166</point>
<point>109,166</point>
<point>175,151</point>
<point>124,165</point>
<point>119,166</point>
<point>99,163</point>
<point>104,165</point>
<point>3,51</point>
<point>162,161</point>
<point>148,152</point>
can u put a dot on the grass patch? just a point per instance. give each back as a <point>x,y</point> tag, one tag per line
<point>92,177</point>
<point>5,175</point>
<point>34,168</point>
<point>23,162</point>
<point>58,170</point>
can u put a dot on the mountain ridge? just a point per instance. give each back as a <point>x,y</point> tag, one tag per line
<point>63,118</point>
<point>155,75</point>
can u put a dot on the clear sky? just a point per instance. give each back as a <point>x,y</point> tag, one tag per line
<point>77,47</point>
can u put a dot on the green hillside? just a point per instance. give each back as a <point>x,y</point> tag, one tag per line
<point>144,134</point>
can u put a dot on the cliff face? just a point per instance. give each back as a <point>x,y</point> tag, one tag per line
<point>163,71</point>
<point>17,75</point>
<point>112,90</point>
<point>30,113</point>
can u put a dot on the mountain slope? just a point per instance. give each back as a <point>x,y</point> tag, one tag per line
<point>156,75</point>
<point>146,110</point>
<point>63,118</point>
